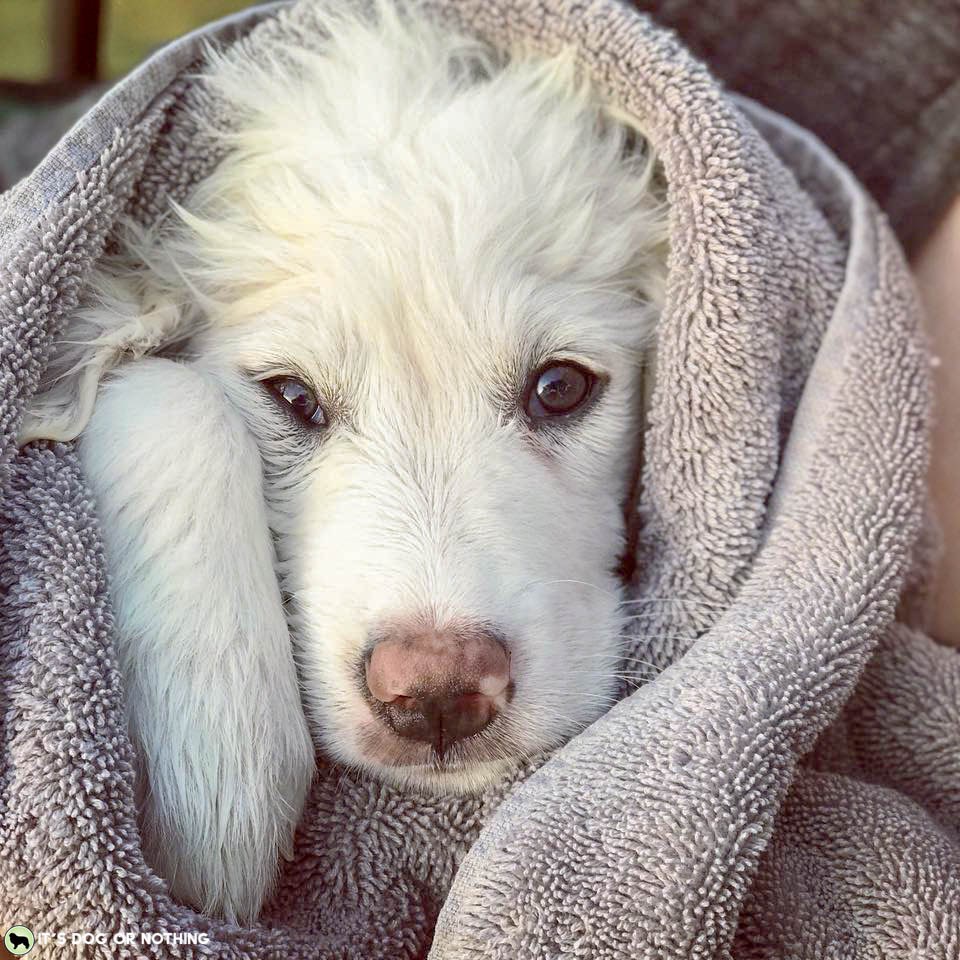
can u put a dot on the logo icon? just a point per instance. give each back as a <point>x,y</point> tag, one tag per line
<point>19,940</point>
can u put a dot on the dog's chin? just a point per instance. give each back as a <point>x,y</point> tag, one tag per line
<point>465,779</point>
<point>468,766</point>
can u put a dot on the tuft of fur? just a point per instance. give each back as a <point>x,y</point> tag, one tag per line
<point>412,224</point>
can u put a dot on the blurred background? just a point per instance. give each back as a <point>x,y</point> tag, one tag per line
<point>53,52</point>
<point>77,41</point>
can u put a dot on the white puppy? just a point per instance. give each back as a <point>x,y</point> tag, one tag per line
<point>391,440</point>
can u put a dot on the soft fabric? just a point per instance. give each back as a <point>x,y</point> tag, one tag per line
<point>878,82</point>
<point>783,779</point>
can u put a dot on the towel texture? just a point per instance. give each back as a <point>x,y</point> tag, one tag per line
<point>785,779</point>
<point>878,82</point>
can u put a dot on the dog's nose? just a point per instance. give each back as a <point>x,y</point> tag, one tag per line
<point>439,686</point>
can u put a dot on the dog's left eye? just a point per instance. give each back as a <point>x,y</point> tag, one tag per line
<point>301,400</point>
<point>558,389</point>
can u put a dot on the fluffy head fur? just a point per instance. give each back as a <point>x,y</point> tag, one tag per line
<point>412,225</point>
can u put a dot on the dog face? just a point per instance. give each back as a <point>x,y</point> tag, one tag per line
<point>445,467</point>
<point>426,276</point>
<point>434,324</point>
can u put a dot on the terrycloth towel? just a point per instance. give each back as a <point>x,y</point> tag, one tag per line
<point>785,781</point>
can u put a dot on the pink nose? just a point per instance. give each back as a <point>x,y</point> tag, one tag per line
<point>439,686</point>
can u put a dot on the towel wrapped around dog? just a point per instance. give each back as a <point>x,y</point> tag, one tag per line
<point>783,779</point>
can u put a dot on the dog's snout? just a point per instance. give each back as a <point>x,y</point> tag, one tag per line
<point>439,686</point>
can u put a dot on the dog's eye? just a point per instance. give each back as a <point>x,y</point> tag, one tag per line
<point>559,389</point>
<point>299,397</point>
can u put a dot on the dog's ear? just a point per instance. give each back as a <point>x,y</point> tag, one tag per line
<point>214,709</point>
<point>121,317</point>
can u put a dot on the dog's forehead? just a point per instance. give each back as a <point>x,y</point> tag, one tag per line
<point>443,334</point>
<point>400,344</point>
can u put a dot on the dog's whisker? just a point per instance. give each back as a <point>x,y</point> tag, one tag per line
<point>565,582</point>
<point>589,660</point>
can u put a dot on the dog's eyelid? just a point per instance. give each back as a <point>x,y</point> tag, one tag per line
<point>324,391</point>
<point>561,358</point>
<point>277,371</point>
<point>577,360</point>
<point>546,355</point>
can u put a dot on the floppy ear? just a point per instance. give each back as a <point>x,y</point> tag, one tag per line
<point>121,318</point>
<point>212,695</point>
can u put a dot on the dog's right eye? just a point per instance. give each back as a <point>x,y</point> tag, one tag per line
<point>301,400</point>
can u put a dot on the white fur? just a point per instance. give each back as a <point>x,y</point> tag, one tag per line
<point>212,695</point>
<point>412,225</point>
